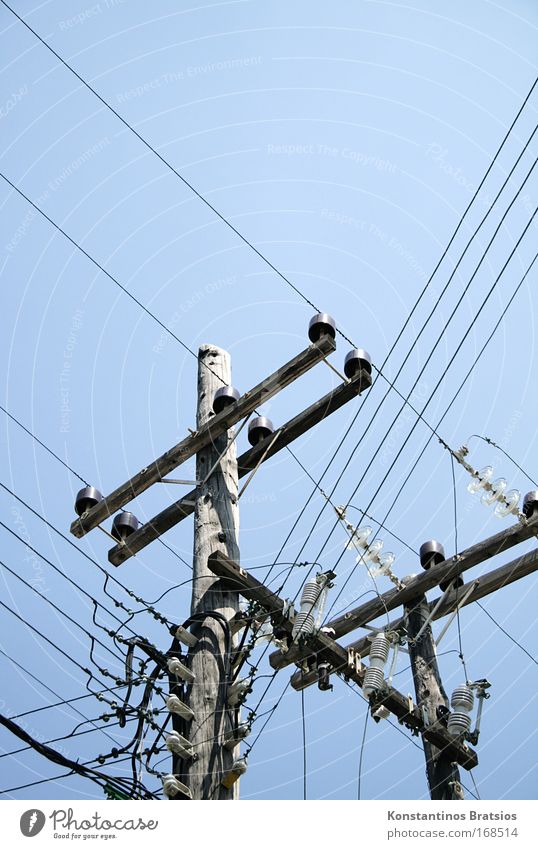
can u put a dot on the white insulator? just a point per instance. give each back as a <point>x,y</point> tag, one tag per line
<point>235,735</point>
<point>303,624</point>
<point>458,723</point>
<point>380,648</point>
<point>496,492</point>
<point>172,787</point>
<point>178,744</point>
<point>312,597</point>
<point>185,637</point>
<point>462,698</point>
<point>237,690</point>
<point>483,477</point>
<point>379,652</point>
<point>175,667</point>
<point>311,593</point>
<point>462,701</point>
<point>175,705</point>
<point>510,504</point>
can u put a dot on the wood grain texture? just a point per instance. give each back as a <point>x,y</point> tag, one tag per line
<point>216,527</point>
<point>209,432</point>
<point>443,774</point>
<point>447,570</point>
<point>287,433</point>
<point>323,646</point>
<point>505,575</point>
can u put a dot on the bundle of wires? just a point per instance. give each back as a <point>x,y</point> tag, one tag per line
<point>120,786</point>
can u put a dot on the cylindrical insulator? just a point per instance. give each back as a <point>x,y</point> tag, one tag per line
<point>86,498</point>
<point>462,701</point>
<point>530,504</point>
<point>373,680</point>
<point>462,698</point>
<point>380,648</point>
<point>303,624</point>
<point>225,397</point>
<point>320,325</point>
<point>458,723</point>
<point>259,428</point>
<point>355,360</point>
<point>379,652</point>
<point>124,525</point>
<point>311,593</point>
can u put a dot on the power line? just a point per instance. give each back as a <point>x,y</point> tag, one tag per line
<point>50,451</point>
<point>506,454</point>
<point>54,693</point>
<point>93,638</point>
<point>57,568</point>
<point>69,736</point>
<point>136,788</point>
<point>305,771</point>
<point>436,387</point>
<point>58,648</point>
<point>392,386</point>
<point>442,418</point>
<point>72,544</point>
<point>361,755</point>
<point>455,503</point>
<point>462,384</point>
<point>505,632</point>
<point>67,466</point>
<point>201,197</point>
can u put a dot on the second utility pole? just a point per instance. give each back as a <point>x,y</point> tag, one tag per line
<point>216,528</point>
<point>443,774</point>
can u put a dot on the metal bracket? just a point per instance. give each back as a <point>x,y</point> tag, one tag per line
<point>460,604</point>
<point>480,686</point>
<point>260,461</point>
<point>354,661</point>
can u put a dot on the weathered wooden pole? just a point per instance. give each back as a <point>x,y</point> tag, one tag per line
<point>443,774</point>
<point>216,528</point>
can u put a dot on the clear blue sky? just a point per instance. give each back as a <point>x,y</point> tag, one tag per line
<point>344,140</point>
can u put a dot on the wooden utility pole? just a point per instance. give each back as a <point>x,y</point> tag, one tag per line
<point>216,527</point>
<point>443,774</point>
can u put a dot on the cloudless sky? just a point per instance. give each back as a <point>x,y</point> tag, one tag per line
<point>345,141</point>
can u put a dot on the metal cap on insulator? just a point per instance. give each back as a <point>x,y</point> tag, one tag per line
<point>431,553</point>
<point>86,498</point>
<point>356,360</point>
<point>530,504</point>
<point>124,525</point>
<point>259,428</point>
<point>225,397</point>
<point>320,325</point>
